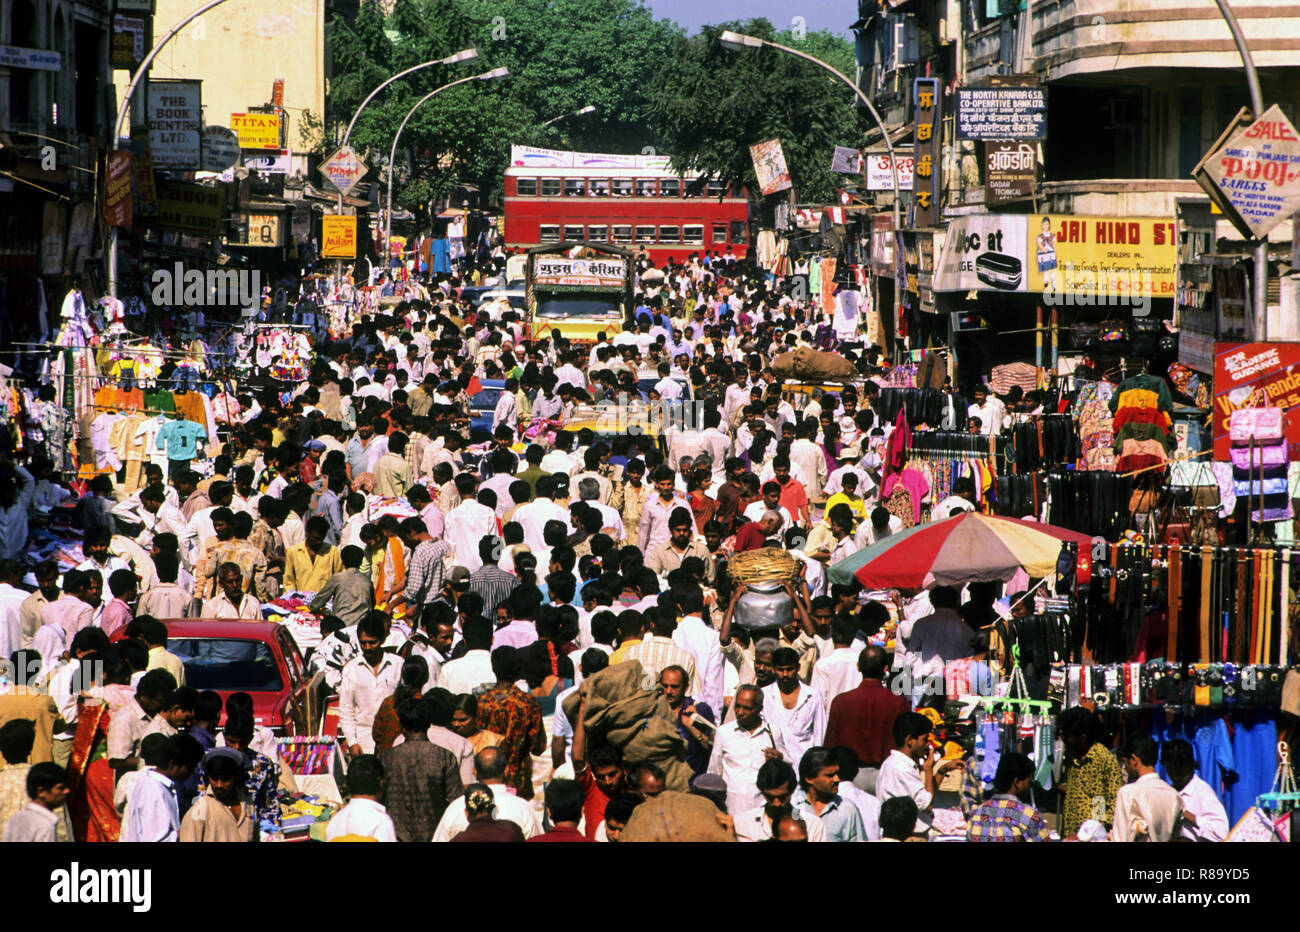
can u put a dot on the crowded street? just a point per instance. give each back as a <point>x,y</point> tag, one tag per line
<point>561,464</point>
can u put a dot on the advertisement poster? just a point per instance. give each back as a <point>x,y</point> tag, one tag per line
<point>1252,375</point>
<point>846,161</point>
<point>175,124</point>
<point>769,167</point>
<point>130,41</point>
<point>1102,255</point>
<point>983,252</point>
<point>338,237</point>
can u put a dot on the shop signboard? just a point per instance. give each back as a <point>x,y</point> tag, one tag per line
<point>927,105</point>
<point>993,113</point>
<point>1254,176</point>
<point>846,161</point>
<point>343,169</point>
<point>263,229</point>
<point>220,149</point>
<point>770,167</point>
<point>32,59</point>
<point>338,237</point>
<point>1010,171</point>
<point>176,124</point>
<point>983,252</point>
<point>117,188</point>
<point>1251,375</point>
<point>190,208</point>
<point>880,178</point>
<point>130,41</point>
<point>257,130</point>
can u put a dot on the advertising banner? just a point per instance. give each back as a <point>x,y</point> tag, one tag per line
<point>846,161</point>
<point>1252,375</point>
<point>343,169</point>
<point>175,123</point>
<point>130,42</point>
<point>1102,255</point>
<point>983,252</point>
<point>338,237</point>
<point>533,157</point>
<point>992,113</point>
<point>770,167</point>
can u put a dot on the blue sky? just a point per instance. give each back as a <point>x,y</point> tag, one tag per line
<point>834,15</point>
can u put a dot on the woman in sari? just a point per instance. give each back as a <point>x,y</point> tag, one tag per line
<point>90,778</point>
<point>389,571</point>
<point>464,721</point>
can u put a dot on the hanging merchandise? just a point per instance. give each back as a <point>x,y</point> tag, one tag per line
<point>1261,462</point>
<point>1143,423</point>
<point>1095,426</point>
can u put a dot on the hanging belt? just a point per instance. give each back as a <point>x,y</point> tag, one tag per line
<point>1234,648</point>
<point>1175,601</point>
<point>1284,615</point>
<point>1251,636</point>
<point>1265,608</point>
<point>1207,573</point>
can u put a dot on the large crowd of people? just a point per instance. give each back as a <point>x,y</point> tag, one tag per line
<point>536,553</point>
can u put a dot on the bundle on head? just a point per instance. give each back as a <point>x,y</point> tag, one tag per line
<point>763,565</point>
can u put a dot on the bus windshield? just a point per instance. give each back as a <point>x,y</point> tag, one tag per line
<point>577,305</point>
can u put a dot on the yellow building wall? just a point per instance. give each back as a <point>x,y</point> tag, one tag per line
<point>238,50</point>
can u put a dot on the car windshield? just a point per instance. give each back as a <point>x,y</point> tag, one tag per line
<point>227,664</point>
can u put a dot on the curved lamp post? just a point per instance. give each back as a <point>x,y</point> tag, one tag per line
<point>737,42</point>
<point>492,75</point>
<point>553,120</point>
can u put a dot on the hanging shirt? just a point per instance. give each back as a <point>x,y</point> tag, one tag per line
<point>180,438</point>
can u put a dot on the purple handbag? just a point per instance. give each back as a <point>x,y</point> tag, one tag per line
<point>1269,454</point>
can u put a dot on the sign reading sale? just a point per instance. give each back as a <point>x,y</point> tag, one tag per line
<point>1253,375</point>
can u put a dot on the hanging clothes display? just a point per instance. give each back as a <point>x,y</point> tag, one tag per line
<point>1094,420</point>
<point>1261,462</point>
<point>1143,423</point>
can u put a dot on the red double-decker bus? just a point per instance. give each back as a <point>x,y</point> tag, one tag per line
<point>635,202</point>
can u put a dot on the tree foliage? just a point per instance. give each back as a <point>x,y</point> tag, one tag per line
<point>710,104</point>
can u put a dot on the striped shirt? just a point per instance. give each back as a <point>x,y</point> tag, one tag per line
<point>424,575</point>
<point>494,585</point>
<point>1006,818</point>
<point>656,653</point>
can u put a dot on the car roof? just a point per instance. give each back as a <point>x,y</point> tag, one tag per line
<point>220,628</point>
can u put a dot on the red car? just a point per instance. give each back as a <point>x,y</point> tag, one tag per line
<point>256,657</point>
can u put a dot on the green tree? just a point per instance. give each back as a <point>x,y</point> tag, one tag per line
<point>710,104</point>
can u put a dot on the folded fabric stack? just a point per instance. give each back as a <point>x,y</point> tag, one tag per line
<point>1143,424</point>
<point>1260,462</point>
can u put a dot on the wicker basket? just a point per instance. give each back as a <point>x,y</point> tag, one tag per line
<point>762,565</point>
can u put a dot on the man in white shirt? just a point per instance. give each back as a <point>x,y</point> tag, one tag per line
<point>473,670</point>
<point>937,639</point>
<point>11,600</point>
<point>741,747</point>
<point>793,707</point>
<point>1204,818</point>
<point>963,493</point>
<point>468,523</point>
<point>910,769</point>
<point>364,816</point>
<point>1148,808</point>
<point>990,410</point>
<point>532,517</point>
<point>153,813</point>
<point>701,642</point>
<point>838,672</point>
<point>367,681</point>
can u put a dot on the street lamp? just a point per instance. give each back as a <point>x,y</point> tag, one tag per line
<point>463,55</point>
<point>738,42</point>
<point>585,110</point>
<point>492,75</point>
